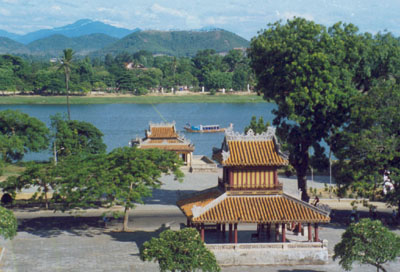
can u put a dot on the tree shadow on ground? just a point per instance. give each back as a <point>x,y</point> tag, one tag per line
<point>300,270</point>
<point>48,227</point>
<point>138,237</point>
<point>168,197</point>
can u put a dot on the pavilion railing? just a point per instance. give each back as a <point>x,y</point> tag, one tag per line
<point>222,185</point>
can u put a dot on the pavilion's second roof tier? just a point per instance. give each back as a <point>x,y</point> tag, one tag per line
<point>254,209</point>
<point>253,153</point>
<point>166,132</point>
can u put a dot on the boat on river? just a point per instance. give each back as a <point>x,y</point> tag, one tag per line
<point>206,128</point>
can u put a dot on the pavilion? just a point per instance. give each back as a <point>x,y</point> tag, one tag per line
<point>164,136</point>
<point>249,192</point>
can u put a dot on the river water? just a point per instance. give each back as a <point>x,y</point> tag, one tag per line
<point>122,122</point>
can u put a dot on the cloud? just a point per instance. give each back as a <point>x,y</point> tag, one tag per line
<point>174,12</point>
<point>290,14</point>
<point>5,12</point>
<point>56,8</point>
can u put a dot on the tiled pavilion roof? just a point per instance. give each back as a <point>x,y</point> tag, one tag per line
<point>253,153</point>
<point>231,208</point>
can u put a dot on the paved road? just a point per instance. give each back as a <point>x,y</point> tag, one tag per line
<point>61,242</point>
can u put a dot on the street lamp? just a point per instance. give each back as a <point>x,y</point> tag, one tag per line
<point>55,152</point>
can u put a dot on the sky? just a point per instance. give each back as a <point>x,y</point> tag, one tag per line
<point>243,17</point>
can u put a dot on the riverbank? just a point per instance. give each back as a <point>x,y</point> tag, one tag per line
<point>130,99</point>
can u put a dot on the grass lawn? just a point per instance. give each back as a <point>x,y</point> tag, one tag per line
<point>11,170</point>
<point>130,99</point>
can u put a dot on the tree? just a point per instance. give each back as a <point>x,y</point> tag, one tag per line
<point>122,177</point>
<point>180,250</point>
<point>8,224</point>
<point>367,242</point>
<point>369,143</point>
<point>20,133</point>
<point>41,177</point>
<point>66,64</point>
<point>309,74</point>
<point>76,137</point>
<point>257,127</point>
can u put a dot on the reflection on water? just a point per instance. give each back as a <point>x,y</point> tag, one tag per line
<point>122,122</point>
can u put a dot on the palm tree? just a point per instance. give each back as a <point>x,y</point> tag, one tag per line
<point>66,64</point>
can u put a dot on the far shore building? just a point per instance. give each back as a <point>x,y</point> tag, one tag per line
<point>249,193</point>
<point>164,136</point>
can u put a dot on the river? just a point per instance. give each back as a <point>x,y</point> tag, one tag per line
<point>122,122</point>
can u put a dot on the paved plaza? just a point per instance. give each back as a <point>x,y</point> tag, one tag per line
<point>48,241</point>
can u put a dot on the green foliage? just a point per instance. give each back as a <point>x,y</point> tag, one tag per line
<point>308,72</point>
<point>179,251</point>
<point>369,144</point>
<point>367,242</point>
<point>8,224</point>
<point>41,177</point>
<point>20,133</point>
<point>122,177</point>
<point>76,137</point>
<point>258,127</point>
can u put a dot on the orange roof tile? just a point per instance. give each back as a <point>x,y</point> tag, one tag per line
<point>160,141</point>
<point>262,209</point>
<point>162,132</point>
<point>253,153</point>
<point>171,147</point>
<point>201,199</point>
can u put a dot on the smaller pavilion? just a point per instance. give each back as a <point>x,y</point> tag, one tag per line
<point>249,192</point>
<point>164,136</point>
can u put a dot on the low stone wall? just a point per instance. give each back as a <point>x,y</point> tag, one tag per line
<point>203,164</point>
<point>293,253</point>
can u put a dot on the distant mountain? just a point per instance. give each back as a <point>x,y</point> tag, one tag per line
<point>176,43</point>
<point>8,46</point>
<point>83,45</point>
<point>79,28</point>
<point>9,35</point>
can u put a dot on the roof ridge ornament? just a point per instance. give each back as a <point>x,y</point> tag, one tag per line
<point>250,135</point>
<point>162,124</point>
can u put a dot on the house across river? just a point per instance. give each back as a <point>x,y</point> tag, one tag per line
<point>164,136</point>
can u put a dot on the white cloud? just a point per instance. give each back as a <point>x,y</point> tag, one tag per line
<point>290,14</point>
<point>174,12</point>
<point>56,8</point>
<point>5,12</point>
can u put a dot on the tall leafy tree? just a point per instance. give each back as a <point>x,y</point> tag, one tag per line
<point>75,137</point>
<point>66,64</point>
<point>21,133</point>
<point>122,177</point>
<point>259,126</point>
<point>308,72</point>
<point>367,242</point>
<point>41,177</point>
<point>180,250</point>
<point>369,143</point>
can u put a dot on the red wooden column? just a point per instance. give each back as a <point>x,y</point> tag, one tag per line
<point>268,231</point>
<point>283,232</point>
<point>276,232</point>
<point>316,239</point>
<point>202,232</point>
<point>309,232</point>
<point>223,230</point>
<point>236,233</point>
<point>230,233</point>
